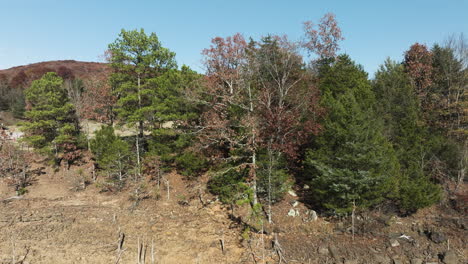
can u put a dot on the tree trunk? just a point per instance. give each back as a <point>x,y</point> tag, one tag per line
<point>270,171</point>
<point>138,156</point>
<point>87,135</point>
<point>140,123</point>
<point>254,178</point>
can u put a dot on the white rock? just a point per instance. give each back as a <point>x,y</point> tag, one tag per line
<point>292,193</point>
<point>293,212</point>
<point>394,243</point>
<point>313,215</point>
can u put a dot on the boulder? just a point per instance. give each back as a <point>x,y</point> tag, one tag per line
<point>437,237</point>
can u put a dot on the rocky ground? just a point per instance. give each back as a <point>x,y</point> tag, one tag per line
<point>430,236</point>
<point>58,221</point>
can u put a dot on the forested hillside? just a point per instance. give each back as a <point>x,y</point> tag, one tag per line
<point>270,120</point>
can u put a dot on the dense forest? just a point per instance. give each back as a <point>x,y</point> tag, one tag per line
<point>268,116</point>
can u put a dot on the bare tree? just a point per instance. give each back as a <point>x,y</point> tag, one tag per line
<point>229,89</point>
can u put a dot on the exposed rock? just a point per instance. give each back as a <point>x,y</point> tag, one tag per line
<point>397,261</point>
<point>292,193</point>
<point>350,261</point>
<point>450,258</point>
<point>437,237</point>
<point>416,261</point>
<point>295,203</point>
<point>313,215</point>
<point>406,237</point>
<point>394,243</point>
<point>306,187</point>
<point>292,212</point>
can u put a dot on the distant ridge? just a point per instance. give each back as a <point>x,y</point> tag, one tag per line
<point>22,76</point>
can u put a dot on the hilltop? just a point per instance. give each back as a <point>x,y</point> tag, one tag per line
<point>25,74</point>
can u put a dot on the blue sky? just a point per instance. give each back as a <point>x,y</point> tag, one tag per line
<point>33,31</point>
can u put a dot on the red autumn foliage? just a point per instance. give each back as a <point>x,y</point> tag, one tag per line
<point>71,152</point>
<point>324,40</point>
<point>19,80</point>
<point>268,84</point>
<point>418,65</point>
<point>224,59</point>
<point>3,78</point>
<point>288,100</point>
<point>226,63</point>
<point>37,72</point>
<point>78,69</point>
<point>286,126</point>
<point>65,73</point>
<point>98,101</point>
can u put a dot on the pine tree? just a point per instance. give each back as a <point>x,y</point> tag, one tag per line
<point>112,155</point>
<point>174,119</point>
<point>137,57</point>
<point>52,124</point>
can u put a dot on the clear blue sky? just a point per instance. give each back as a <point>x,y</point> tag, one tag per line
<point>40,30</point>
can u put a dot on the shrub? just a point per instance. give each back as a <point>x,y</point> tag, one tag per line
<point>112,155</point>
<point>230,186</point>
<point>190,164</point>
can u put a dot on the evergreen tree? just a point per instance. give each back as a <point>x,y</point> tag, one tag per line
<point>18,106</point>
<point>52,124</point>
<point>351,161</point>
<point>112,155</point>
<point>413,144</point>
<point>137,57</point>
<point>174,118</point>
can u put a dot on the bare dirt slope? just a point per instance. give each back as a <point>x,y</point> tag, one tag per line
<point>54,224</point>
